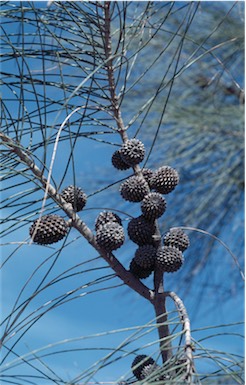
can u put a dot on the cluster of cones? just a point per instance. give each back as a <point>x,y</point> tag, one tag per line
<point>148,189</point>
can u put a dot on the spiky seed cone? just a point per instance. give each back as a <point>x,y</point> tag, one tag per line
<point>148,174</point>
<point>48,229</point>
<point>105,217</point>
<point>139,363</point>
<point>110,236</point>
<point>139,271</point>
<point>148,370</point>
<point>134,189</point>
<point>118,162</point>
<point>169,259</point>
<point>145,256</point>
<point>165,179</point>
<point>153,206</point>
<point>75,196</point>
<point>177,238</point>
<point>140,231</point>
<point>132,151</point>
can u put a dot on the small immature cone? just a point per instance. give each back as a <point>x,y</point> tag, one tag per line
<point>105,217</point>
<point>110,236</point>
<point>118,162</point>
<point>48,229</point>
<point>148,174</point>
<point>169,259</point>
<point>132,152</point>
<point>142,366</point>
<point>139,271</point>
<point>75,196</point>
<point>140,231</point>
<point>177,238</point>
<point>165,179</point>
<point>145,256</point>
<point>134,189</point>
<point>153,206</point>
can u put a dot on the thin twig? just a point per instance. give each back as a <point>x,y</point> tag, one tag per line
<point>110,71</point>
<point>221,242</point>
<point>52,163</point>
<point>187,330</point>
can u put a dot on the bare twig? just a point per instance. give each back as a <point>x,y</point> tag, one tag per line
<point>109,65</point>
<point>186,327</point>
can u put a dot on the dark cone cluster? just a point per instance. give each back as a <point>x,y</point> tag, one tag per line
<point>132,152</point>
<point>169,259</point>
<point>153,206</point>
<point>110,236</point>
<point>140,231</point>
<point>165,179</point>
<point>75,196</point>
<point>118,162</point>
<point>145,256</point>
<point>134,189</point>
<point>148,174</point>
<point>139,271</point>
<point>142,366</point>
<point>105,217</point>
<point>48,229</point>
<point>177,238</point>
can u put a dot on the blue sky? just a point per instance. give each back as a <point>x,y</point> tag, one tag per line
<point>104,310</point>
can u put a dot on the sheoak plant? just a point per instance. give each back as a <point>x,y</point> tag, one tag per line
<point>145,187</point>
<point>155,255</point>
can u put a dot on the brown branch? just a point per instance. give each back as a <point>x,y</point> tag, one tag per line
<point>126,276</point>
<point>161,316</point>
<point>159,304</point>
<point>110,70</point>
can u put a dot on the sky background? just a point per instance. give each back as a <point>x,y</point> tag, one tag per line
<point>103,312</point>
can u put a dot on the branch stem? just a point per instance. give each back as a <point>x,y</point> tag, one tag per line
<point>110,71</point>
<point>184,318</point>
<point>159,304</point>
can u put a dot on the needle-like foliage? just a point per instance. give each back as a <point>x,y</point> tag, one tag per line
<point>78,78</point>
